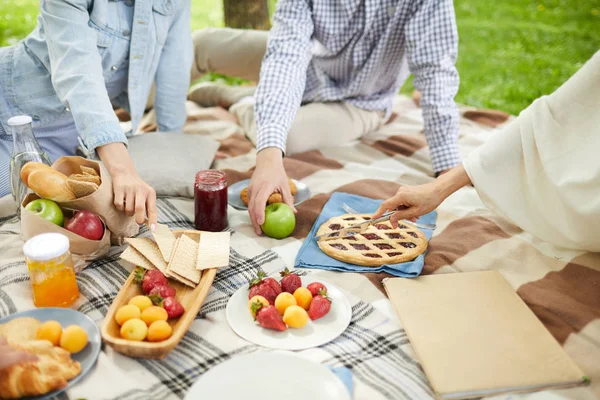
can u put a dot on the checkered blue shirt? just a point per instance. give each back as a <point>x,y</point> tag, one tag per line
<point>361,52</point>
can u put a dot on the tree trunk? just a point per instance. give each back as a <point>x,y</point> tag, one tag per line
<point>247,14</point>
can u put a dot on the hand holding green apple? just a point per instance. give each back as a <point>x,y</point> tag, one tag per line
<point>280,221</point>
<point>47,209</point>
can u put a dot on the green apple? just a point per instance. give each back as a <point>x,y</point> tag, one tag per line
<point>280,221</point>
<point>48,210</point>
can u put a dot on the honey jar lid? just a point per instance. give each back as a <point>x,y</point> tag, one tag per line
<point>46,246</point>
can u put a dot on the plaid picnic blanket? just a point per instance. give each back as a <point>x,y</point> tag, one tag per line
<point>561,287</point>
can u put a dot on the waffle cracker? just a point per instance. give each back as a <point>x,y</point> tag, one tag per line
<point>183,261</point>
<point>136,258</point>
<point>165,240</point>
<point>149,249</point>
<point>86,178</point>
<point>88,171</point>
<point>81,189</point>
<point>181,279</point>
<point>213,251</point>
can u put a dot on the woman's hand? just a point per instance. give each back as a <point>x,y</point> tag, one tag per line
<point>415,201</point>
<point>411,202</point>
<point>10,356</point>
<point>131,194</point>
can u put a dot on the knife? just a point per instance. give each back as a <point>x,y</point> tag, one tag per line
<point>354,229</point>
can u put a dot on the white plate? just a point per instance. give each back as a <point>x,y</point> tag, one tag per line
<point>314,333</point>
<point>268,376</point>
<point>233,193</point>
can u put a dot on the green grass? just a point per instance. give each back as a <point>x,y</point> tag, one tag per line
<point>511,51</point>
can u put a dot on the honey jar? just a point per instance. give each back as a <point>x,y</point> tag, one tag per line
<point>51,270</point>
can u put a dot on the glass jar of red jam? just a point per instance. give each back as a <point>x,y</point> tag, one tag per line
<point>210,201</point>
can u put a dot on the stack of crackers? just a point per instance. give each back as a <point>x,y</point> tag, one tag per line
<point>181,258</point>
<point>85,183</point>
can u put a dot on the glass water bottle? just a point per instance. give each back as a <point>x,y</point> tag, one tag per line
<point>25,149</point>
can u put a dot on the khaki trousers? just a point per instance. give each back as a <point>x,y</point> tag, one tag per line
<point>239,53</point>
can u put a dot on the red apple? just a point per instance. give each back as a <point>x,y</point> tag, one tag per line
<point>86,224</point>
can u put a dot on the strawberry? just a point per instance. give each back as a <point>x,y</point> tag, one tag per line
<point>150,279</point>
<point>315,288</point>
<point>290,281</point>
<point>268,317</point>
<point>173,307</point>
<point>163,291</point>
<point>268,288</point>
<point>320,305</point>
<point>274,285</point>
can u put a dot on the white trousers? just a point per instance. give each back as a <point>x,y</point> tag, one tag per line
<point>239,53</point>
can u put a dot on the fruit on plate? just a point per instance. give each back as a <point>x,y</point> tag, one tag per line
<point>134,329</point>
<point>163,291</point>
<point>86,224</point>
<point>290,281</point>
<point>150,279</point>
<point>159,331</point>
<point>50,331</point>
<point>319,306</point>
<point>173,307</point>
<point>315,288</point>
<point>154,313</point>
<point>266,287</point>
<point>141,302</point>
<point>47,209</point>
<point>295,317</point>
<point>73,339</point>
<point>303,297</point>
<point>280,221</point>
<point>127,312</point>
<point>283,301</point>
<point>261,301</point>
<point>269,318</point>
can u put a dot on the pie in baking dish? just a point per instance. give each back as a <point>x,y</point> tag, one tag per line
<point>380,244</point>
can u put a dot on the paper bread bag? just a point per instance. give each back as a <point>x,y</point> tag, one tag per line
<point>101,201</point>
<point>81,248</point>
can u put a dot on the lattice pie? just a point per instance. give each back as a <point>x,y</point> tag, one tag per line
<point>380,244</point>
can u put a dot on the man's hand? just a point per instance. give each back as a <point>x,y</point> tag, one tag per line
<point>132,195</point>
<point>268,177</point>
<point>10,356</point>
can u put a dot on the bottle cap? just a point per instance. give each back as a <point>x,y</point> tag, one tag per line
<point>46,246</point>
<point>19,120</point>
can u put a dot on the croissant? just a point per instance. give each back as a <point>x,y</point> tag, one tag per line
<point>52,371</point>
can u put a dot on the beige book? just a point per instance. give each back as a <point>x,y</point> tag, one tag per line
<point>474,336</point>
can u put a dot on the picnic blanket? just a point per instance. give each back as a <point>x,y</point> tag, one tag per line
<point>561,287</point>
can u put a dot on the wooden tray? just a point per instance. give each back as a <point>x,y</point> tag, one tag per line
<point>190,298</point>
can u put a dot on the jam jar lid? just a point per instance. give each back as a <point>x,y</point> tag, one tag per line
<point>211,178</point>
<point>46,246</point>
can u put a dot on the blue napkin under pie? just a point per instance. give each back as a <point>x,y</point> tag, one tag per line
<point>311,256</point>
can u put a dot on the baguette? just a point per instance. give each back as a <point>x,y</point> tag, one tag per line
<point>50,184</point>
<point>29,168</point>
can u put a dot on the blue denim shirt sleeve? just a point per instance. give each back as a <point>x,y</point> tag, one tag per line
<point>173,73</point>
<point>77,74</point>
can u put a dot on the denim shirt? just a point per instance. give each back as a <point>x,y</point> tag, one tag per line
<point>80,47</point>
